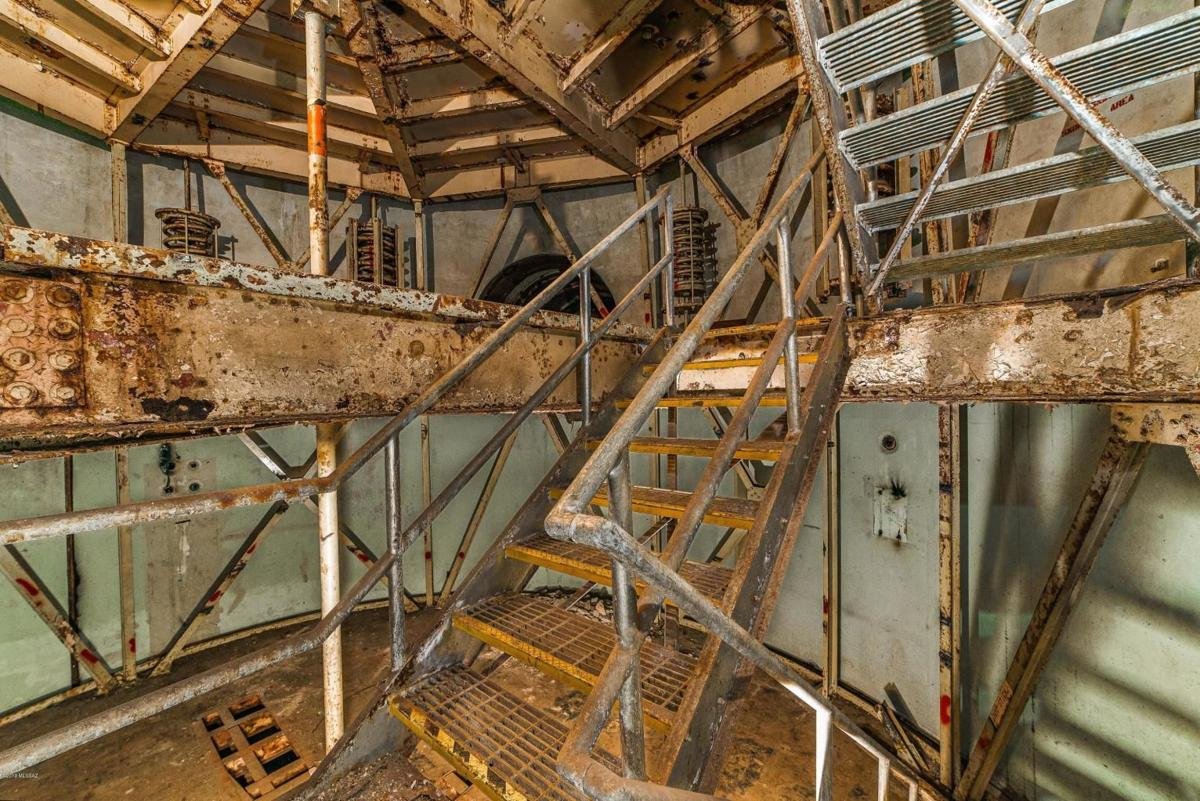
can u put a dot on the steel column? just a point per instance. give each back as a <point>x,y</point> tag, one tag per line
<point>633,737</point>
<point>125,573</point>
<point>787,301</point>
<point>318,235</point>
<point>950,578</point>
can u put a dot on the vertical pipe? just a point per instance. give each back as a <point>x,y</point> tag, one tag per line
<point>395,532</point>
<point>668,246</point>
<point>787,302</point>
<point>585,336</point>
<point>422,276</point>
<point>327,503</point>
<point>831,602</point>
<point>633,743</point>
<point>72,561</point>
<point>125,573</point>
<point>426,500</point>
<point>949,590</point>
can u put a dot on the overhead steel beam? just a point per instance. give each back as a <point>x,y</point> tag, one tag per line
<point>154,342</point>
<point>627,18</point>
<point>1128,344</point>
<point>710,40</point>
<point>364,31</point>
<point>1112,484</point>
<point>479,28</point>
<point>53,36</point>
<point>727,108</point>
<point>194,41</point>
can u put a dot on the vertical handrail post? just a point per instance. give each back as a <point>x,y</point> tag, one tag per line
<point>585,337</point>
<point>668,245</point>
<point>791,367</point>
<point>395,532</point>
<point>633,738</point>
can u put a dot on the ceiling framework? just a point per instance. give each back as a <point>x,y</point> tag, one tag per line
<point>435,99</point>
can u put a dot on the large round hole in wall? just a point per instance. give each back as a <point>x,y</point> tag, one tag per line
<point>889,443</point>
<point>520,282</point>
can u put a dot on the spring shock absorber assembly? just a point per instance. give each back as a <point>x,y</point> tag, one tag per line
<point>375,252</point>
<point>186,230</point>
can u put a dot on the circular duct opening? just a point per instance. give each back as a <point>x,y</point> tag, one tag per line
<point>521,281</point>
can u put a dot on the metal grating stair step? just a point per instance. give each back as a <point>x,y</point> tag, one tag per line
<point>573,649</point>
<point>711,400</point>
<point>590,564</point>
<point>735,512</point>
<point>730,364</point>
<point>1168,149</point>
<point>504,745</point>
<point>901,35</point>
<point>766,450</point>
<point>1133,59</point>
<point>1129,234</point>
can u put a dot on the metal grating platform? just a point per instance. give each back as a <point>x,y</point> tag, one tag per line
<point>573,648</point>
<point>1168,149</point>
<point>489,735</point>
<point>1144,56</point>
<point>591,564</point>
<point>735,512</point>
<point>765,450</point>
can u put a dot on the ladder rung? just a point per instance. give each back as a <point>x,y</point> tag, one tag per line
<point>766,450</point>
<point>592,564</point>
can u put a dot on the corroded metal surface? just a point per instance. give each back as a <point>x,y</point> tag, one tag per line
<point>210,345</point>
<point>41,339</point>
<point>1127,344</point>
<point>31,248</point>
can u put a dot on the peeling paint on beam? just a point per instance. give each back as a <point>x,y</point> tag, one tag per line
<point>1129,344</point>
<point>207,346</point>
<point>31,248</point>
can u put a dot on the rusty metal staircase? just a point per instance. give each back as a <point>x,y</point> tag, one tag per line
<point>514,750</point>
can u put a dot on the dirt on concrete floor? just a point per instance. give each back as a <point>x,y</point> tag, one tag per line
<point>170,758</point>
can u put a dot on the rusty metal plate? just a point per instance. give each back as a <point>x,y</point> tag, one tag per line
<point>41,344</point>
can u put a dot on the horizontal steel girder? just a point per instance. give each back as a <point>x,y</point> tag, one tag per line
<point>1130,344</point>
<point>107,342</point>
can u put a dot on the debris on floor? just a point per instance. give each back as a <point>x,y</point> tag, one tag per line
<point>253,749</point>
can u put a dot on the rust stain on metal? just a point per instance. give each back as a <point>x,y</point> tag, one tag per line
<point>41,344</point>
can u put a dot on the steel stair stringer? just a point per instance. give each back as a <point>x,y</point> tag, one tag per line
<point>699,735</point>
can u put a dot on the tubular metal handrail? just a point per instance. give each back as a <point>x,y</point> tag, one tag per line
<point>40,748</point>
<point>571,520</point>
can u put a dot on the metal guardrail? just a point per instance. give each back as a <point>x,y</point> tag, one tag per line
<point>40,748</point>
